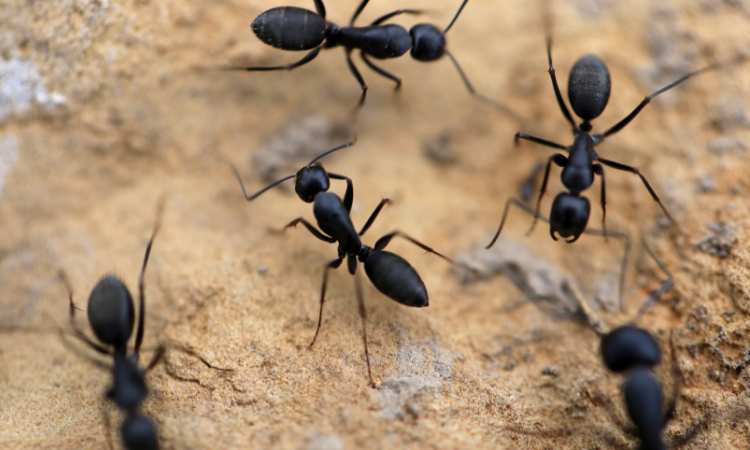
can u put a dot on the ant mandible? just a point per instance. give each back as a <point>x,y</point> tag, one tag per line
<point>111,315</point>
<point>295,29</point>
<point>589,87</point>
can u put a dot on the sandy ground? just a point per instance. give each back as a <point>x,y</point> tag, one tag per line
<point>106,106</point>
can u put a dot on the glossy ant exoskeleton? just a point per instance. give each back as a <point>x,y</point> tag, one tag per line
<point>111,314</point>
<point>295,29</point>
<point>589,88</point>
<point>391,274</point>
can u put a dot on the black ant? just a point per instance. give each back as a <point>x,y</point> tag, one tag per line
<point>391,274</point>
<point>634,351</point>
<point>111,314</point>
<point>309,180</point>
<point>589,88</point>
<point>295,29</point>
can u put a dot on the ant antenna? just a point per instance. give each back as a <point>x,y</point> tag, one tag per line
<point>348,144</point>
<point>664,287</point>
<point>456,17</point>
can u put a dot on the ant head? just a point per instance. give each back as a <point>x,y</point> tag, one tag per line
<point>589,87</point>
<point>129,389</point>
<point>111,312</point>
<point>428,43</point>
<point>310,181</point>
<point>569,216</point>
<point>627,347</point>
<point>139,433</point>
<point>644,398</point>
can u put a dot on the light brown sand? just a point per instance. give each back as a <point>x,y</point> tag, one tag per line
<point>138,119</point>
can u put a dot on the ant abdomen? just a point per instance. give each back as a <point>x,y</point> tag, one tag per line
<point>270,28</point>
<point>396,278</point>
<point>589,87</point>
<point>111,312</point>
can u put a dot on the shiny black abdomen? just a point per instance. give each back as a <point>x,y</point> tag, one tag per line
<point>396,278</point>
<point>111,312</point>
<point>589,87</point>
<point>290,28</point>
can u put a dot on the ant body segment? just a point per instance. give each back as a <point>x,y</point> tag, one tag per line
<point>589,87</point>
<point>295,29</point>
<point>309,181</point>
<point>111,315</point>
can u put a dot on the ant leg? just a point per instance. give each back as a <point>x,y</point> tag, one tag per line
<point>374,215</point>
<point>64,278</point>
<point>309,57</point>
<point>560,161</point>
<point>528,210</point>
<point>141,297</point>
<point>664,287</point>
<point>529,186</point>
<point>349,194</point>
<point>357,75</point>
<point>676,383</point>
<point>358,11</point>
<point>252,197</point>
<point>538,141</point>
<point>624,122</point>
<point>385,240</point>
<point>335,264</point>
<point>310,228</point>
<point>381,71</point>
<point>599,170</point>
<point>320,8</point>
<point>623,167</point>
<point>363,315</point>
<point>161,351</point>
<point>382,19</point>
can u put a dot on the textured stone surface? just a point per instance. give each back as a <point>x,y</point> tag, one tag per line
<point>106,106</point>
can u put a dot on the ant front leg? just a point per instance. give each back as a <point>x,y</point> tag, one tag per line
<point>385,240</point>
<point>310,228</point>
<point>335,264</point>
<point>624,168</point>
<point>162,350</point>
<point>349,194</point>
<point>382,19</point>
<point>561,161</point>
<point>320,8</point>
<point>381,71</point>
<point>374,215</point>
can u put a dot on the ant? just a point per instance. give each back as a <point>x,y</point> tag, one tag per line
<point>295,29</point>
<point>111,315</point>
<point>309,180</point>
<point>391,274</point>
<point>589,88</point>
<point>634,351</point>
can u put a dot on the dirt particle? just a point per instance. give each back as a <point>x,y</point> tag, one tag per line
<point>439,150</point>
<point>720,242</point>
